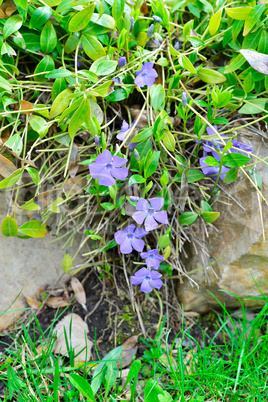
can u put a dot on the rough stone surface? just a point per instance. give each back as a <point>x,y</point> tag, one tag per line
<point>25,266</point>
<point>238,241</point>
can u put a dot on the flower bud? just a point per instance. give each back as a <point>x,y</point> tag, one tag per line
<point>133,198</point>
<point>97,141</point>
<point>157,19</point>
<point>131,23</point>
<point>184,98</point>
<point>216,145</point>
<point>122,61</point>
<point>150,31</point>
<point>177,45</point>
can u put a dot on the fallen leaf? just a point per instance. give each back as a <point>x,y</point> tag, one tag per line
<point>129,349</point>
<point>73,323</point>
<point>7,8</point>
<point>56,302</point>
<point>74,160</point>
<point>79,292</point>
<point>258,61</point>
<point>144,8</point>
<point>74,185</point>
<point>25,105</point>
<point>33,303</point>
<point>6,167</point>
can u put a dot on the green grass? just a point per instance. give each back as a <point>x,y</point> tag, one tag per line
<point>231,365</point>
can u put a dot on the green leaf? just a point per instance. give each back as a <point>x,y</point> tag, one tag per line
<point>238,13</point>
<point>15,143</point>
<point>82,385</point>
<point>234,160</point>
<point>164,177</point>
<point>133,375</point>
<point>34,175</point>
<point>108,206</point>
<point>210,216</point>
<point>9,227</point>
<point>163,241</point>
<point>157,94</point>
<point>39,125</point>
<point>12,25</point>
<point>194,175</point>
<point>67,263</point>
<point>185,63</point>
<point>60,103</point>
<point>48,38</point>
<point>152,390</point>
<point>111,376</point>
<point>254,106</point>
<point>40,16</point>
<point>34,229</point>
<point>22,3</point>
<point>143,135</point>
<point>205,206</point>
<point>120,201</point>
<point>210,161</point>
<point>11,180</point>
<point>187,218</point>
<point>30,206</point>
<point>210,76</point>
<point>106,67</point>
<point>81,19</point>
<point>81,115</point>
<point>58,73</point>
<point>44,66</point>
<point>231,176</point>
<point>151,164</point>
<point>72,42</point>
<point>214,22</point>
<point>136,178</point>
<point>92,47</point>
<point>169,140</point>
<point>118,9</point>
<point>118,94</point>
<point>253,18</point>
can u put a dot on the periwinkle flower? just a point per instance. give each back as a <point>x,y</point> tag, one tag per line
<point>152,258</point>
<point>147,279</point>
<point>129,238</point>
<point>132,23</point>
<point>149,212</point>
<point>122,61</point>
<point>157,19</point>
<point>241,146</point>
<point>107,168</point>
<point>184,98</point>
<point>213,170</point>
<point>150,31</point>
<point>97,141</point>
<point>177,45</point>
<point>146,75</point>
<point>116,80</point>
<point>124,129</point>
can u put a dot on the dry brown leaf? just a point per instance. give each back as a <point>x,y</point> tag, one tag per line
<point>25,105</point>
<point>10,11</point>
<point>56,302</point>
<point>144,8</point>
<point>74,159</point>
<point>33,303</point>
<point>7,8</point>
<point>79,339</point>
<point>129,349</point>
<point>6,167</point>
<point>79,292</point>
<point>74,185</point>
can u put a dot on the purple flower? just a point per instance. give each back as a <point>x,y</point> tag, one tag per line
<point>210,144</point>
<point>121,136</point>
<point>148,280</point>
<point>122,61</point>
<point>213,170</point>
<point>152,258</point>
<point>157,19</point>
<point>177,45</point>
<point>241,146</point>
<point>116,80</point>
<point>150,31</point>
<point>148,212</point>
<point>146,75</point>
<point>107,168</point>
<point>129,239</point>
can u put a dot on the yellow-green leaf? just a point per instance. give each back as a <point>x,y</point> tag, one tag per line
<point>67,263</point>
<point>81,115</point>
<point>238,13</point>
<point>34,229</point>
<point>11,180</point>
<point>169,140</point>
<point>81,19</point>
<point>214,22</point>
<point>253,18</point>
<point>185,63</point>
<point>92,47</point>
<point>211,76</point>
<point>9,227</point>
<point>60,103</point>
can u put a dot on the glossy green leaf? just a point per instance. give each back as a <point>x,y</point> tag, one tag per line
<point>39,125</point>
<point>60,103</point>
<point>253,18</point>
<point>151,164</point>
<point>143,135</point>
<point>34,229</point>
<point>107,205</point>
<point>11,180</point>
<point>22,3</point>
<point>210,161</point>
<point>234,160</point>
<point>58,73</point>
<point>34,175</point>
<point>163,241</point>
<point>48,38</point>
<point>169,140</point>
<point>106,67</point>
<point>9,227</point>
<point>136,178</point>
<point>81,19</point>
<point>214,22</point>
<point>211,76</point>
<point>194,175</point>
<point>40,16</point>
<point>15,143</point>
<point>185,63</point>
<point>157,94</point>
<point>254,106</point>
<point>239,13</point>
<point>67,263</point>
<point>118,9</point>
<point>12,25</point>
<point>231,176</point>
<point>92,47</point>
<point>187,218</point>
<point>81,115</point>
<point>44,66</point>
<point>210,217</point>
<point>72,42</point>
<point>82,385</point>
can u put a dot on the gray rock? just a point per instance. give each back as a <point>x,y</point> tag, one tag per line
<point>237,241</point>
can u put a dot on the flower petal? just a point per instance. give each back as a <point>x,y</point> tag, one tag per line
<point>137,244</point>
<point>156,283</point>
<point>136,280</point>
<point>145,286</point>
<point>150,223</point>
<point>119,173</point>
<point>161,217</point>
<point>155,275</point>
<point>119,162</point>
<point>149,81</point>
<point>120,236</point>
<point>130,228</point>
<point>95,170</point>
<point>157,203</point>
<point>142,205</point>
<point>126,247</point>
<point>105,179</point>
<point>152,263</point>
<point>104,157</point>
<point>139,80</point>
<point>121,136</point>
<point>139,232</point>
<point>139,217</point>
